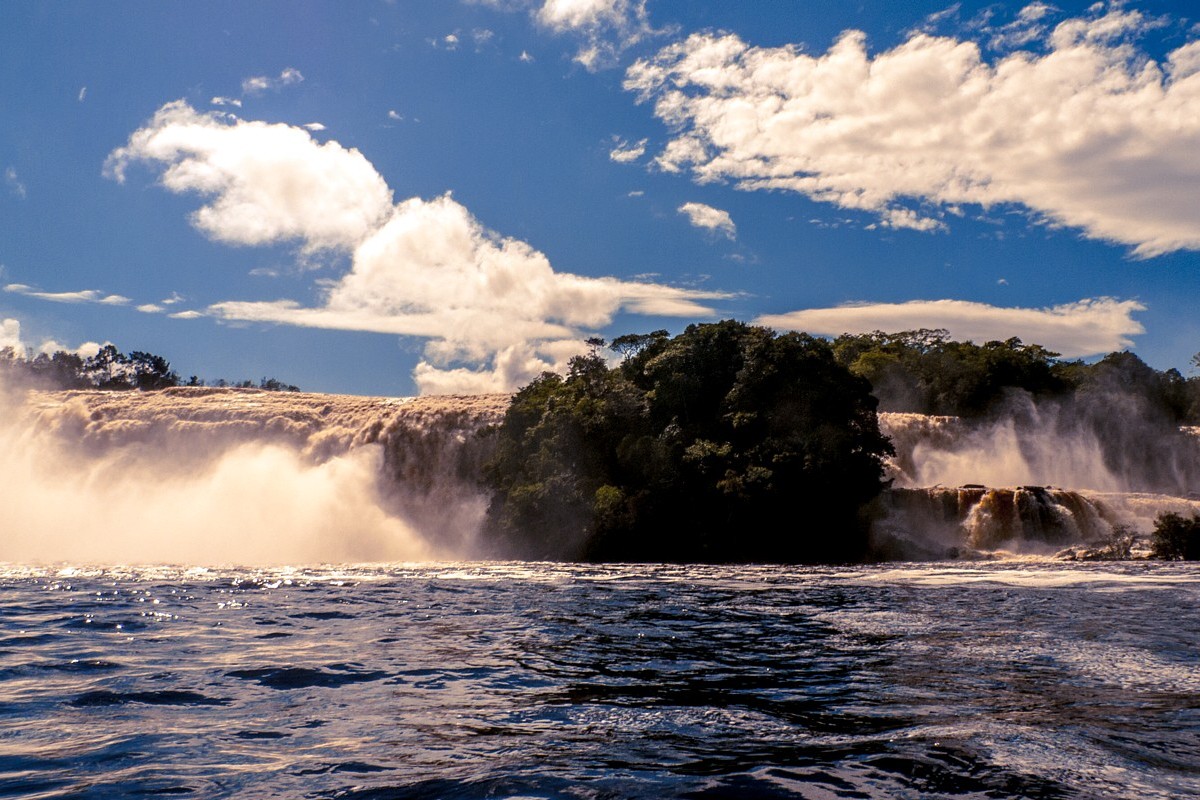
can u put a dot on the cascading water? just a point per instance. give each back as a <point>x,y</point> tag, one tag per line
<point>960,487</point>
<point>221,476</point>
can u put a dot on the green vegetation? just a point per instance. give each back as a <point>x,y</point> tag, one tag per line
<point>725,443</point>
<point>925,371</point>
<point>1176,538</point>
<point>108,369</point>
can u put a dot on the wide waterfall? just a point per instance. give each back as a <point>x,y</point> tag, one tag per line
<point>242,476</point>
<point>220,476</point>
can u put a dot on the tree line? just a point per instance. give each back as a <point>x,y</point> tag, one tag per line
<point>109,369</point>
<point>925,371</point>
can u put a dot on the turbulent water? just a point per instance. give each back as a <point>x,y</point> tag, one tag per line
<point>541,681</point>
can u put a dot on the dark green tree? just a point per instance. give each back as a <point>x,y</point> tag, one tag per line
<point>726,443</point>
<point>1176,538</point>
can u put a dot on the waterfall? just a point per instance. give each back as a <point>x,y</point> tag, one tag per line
<point>208,476</point>
<point>960,487</point>
<point>240,476</point>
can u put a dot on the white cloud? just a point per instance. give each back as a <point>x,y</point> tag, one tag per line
<point>624,153</point>
<point>586,15</point>
<point>393,114</point>
<point>1086,133</point>
<point>269,183</point>
<point>10,336</point>
<point>494,311</point>
<point>82,94</point>
<point>709,218</point>
<point>151,308</point>
<point>85,350</point>
<point>1087,327</point>
<point>14,183</point>
<point>315,127</point>
<point>187,315</point>
<point>260,83</point>
<point>607,27</point>
<point>84,296</point>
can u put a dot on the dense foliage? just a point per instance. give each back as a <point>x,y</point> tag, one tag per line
<point>925,371</point>
<point>108,369</point>
<point>1176,538</point>
<point>725,443</point>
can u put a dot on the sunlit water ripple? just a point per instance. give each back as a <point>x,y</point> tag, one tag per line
<point>547,681</point>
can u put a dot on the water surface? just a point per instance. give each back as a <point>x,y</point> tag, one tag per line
<point>532,680</point>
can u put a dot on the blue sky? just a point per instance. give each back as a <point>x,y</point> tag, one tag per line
<point>410,196</point>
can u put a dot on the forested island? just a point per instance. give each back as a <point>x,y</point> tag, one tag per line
<point>731,443</point>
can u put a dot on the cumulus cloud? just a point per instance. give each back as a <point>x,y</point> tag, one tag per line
<point>1084,130</point>
<point>84,296</point>
<point>315,127</point>
<point>226,101</point>
<point>85,350</point>
<point>625,153</point>
<point>1087,327</point>
<point>10,336</point>
<point>494,311</point>
<point>709,218</point>
<point>260,83</point>
<point>268,182</point>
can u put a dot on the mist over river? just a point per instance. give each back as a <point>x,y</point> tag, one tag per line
<point>509,680</point>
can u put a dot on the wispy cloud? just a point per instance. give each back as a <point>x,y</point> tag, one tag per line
<point>604,29</point>
<point>492,309</point>
<point>1083,328</point>
<point>709,218</point>
<point>84,296</point>
<point>625,153</point>
<point>261,83</point>
<point>14,183</point>
<point>1084,131</point>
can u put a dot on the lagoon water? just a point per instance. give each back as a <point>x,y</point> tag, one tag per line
<point>506,680</point>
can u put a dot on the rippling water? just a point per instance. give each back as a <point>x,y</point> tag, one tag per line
<point>548,681</point>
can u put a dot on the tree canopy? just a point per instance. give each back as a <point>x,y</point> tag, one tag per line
<point>725,443</point>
